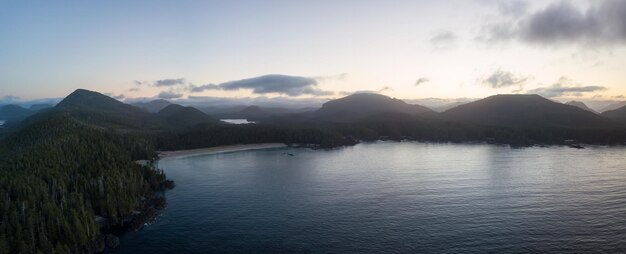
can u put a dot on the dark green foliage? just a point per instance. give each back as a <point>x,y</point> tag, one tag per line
<point>56,174</point>
<point>217,135</point>
<point>62,167</point>
<point>526,111</point>
<point>177,116</point>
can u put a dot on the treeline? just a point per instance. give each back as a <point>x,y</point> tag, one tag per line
<point>401,126</point>
<point>226,134</point>
<point>57,174</point>
<point>61,169</point>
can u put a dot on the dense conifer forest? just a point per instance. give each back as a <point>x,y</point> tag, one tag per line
<point>63,168</point>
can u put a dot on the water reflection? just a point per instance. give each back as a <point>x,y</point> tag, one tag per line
<point>391,197</point>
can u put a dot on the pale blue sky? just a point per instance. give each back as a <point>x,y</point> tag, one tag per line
<point>463,48</point>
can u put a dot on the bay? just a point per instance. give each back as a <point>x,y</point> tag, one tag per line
<point>393,197</point>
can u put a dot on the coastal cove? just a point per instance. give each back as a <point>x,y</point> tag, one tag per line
<point>373,196</point>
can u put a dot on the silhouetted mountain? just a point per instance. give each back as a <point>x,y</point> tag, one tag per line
<point>613,106</point>
<point>14,113</point>
<point>616,114</point>
<point>525,111</point>
<point>366,104</point>
<point>180,116</point>
<point>37,107</point>
<point>96,108</point>
<point>581,105</point>
<point>152,106</point>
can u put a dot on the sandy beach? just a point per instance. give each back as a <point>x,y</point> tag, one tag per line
<point>219,149</point>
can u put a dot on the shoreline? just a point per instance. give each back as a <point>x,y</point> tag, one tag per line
<point>218,149</point>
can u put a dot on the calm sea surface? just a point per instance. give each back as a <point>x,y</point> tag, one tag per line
<point>389,197</point>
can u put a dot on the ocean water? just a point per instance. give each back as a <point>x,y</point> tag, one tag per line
<point>389,197</point>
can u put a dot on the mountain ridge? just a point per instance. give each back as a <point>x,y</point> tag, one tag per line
<point>534,111</point>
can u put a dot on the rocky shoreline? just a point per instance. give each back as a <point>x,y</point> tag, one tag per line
<point>112,227</point>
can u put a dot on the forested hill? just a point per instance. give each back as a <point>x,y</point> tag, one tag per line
<point>63,166</point>
<point>526,111</point>
<point>57,173</point>
<point>361,105</point>
<point>179,117</point>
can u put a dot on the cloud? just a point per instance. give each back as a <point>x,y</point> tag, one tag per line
<point>421,80</point>
<point>504,79</point>
<point>290,102</point>
<point>169,82</point>
<point>169,95</point>
<point>619,97</point>
<point>202,88</point>
<point>512,7</point>
<point>443,40</point>
<point>566,87</point>
<point>340,76</point>
<point>134,89</point>
<point>385,88</point>
<point>603,23</point>
<point>276,83</point>
<point>497,32</point>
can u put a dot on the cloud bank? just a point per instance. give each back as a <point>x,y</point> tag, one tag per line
<point>169,82</point>
<point>276,83</point>
<point>266,84</point>
<point>169,95</point>
<point>603,23</point>
<point>202,88</point>
<point>566,87</point>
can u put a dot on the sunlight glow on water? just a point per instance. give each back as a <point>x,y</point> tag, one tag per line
<point>236,121</point>
<point>391,197</point>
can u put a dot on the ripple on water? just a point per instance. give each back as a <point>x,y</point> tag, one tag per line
<point>390,197</point>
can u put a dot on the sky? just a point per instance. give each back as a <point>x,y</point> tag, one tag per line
<point>313,49</point>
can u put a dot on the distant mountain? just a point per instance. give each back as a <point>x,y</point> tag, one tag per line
<point>616,114</point>
<point>216,111</point>
<point>152,106</point>
<point>257,113</point>
<point>179,116</point>
<point>14,113</point>
<point>580,105</point>
<point>367,104</point>
<point>40,106</point>
<point>439,104</point>
<point>523,111</point>
<point>449,106</point>
<point>613,106</point>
